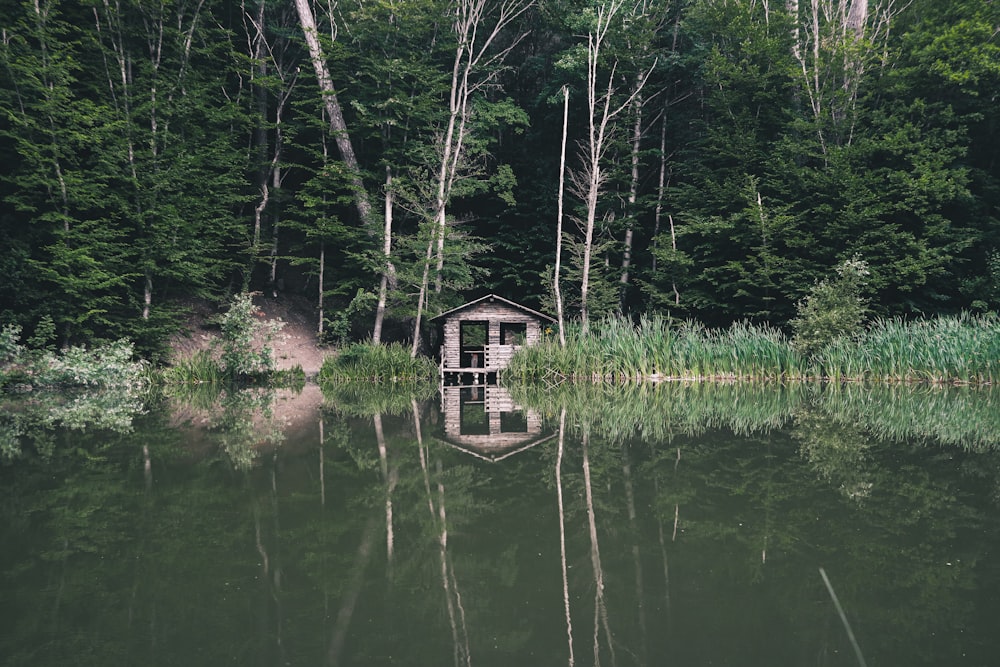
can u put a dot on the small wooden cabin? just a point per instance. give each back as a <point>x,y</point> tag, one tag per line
<point>481,336</point>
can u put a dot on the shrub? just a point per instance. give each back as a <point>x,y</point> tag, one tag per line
<point>833,309</point>
<point>246,340</point>
<point>10,348</point>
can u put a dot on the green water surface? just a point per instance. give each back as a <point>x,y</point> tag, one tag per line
<point>672,525</point>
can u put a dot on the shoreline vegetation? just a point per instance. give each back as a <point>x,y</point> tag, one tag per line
<point>830,340</point>
<point>963,349</point>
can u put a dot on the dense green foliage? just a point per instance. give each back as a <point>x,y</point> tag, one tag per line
<point>152,153</point>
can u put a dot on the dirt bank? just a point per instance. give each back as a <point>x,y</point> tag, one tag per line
<point>295,345</point>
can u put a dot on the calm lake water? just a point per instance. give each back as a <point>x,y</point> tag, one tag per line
<point>751,525</point>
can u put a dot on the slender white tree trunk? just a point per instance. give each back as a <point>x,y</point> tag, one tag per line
<point>562,534</point>
<point>600,114</point>
<point>475,66</point>
<point>557,275</point>
<point>633,195</point>
<point>321,287</point>
<point>596,128</point>
<point>387,268</point>
<point>422,298</point>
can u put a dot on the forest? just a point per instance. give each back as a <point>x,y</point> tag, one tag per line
<point>708,160</point>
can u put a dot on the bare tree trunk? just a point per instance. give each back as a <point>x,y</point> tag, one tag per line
<point>321,287</point>
<point>390,478</point>
<point>792,7</point>
<point>640,588</point>
<point>449,583</point>
<point>661,189</point>
<point>557,277</point>
<point>388,270</point>
<point>600,115</point>
<point>633,195</point>
<point>857,17</point>
<point>600,607</point>
<point>422,297</point>
<point>338,127</point>
<point>352,591</point>
<point>472,56</point>
<point>596,133</point>
<point>256,50</point>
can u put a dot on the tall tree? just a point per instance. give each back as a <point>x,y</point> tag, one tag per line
<point>478,26</point>
<point>338,126</point>
<point>70,261</point>
<point>602,109</point>
<point>481,46</point>
<point>176,167</point>
<point>396,54</point>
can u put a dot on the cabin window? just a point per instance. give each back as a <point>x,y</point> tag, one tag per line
<point>473,343</point>
<point>513,422</point>
<point>513,333</point>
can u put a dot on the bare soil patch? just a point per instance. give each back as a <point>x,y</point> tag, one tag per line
<point>296,344</point>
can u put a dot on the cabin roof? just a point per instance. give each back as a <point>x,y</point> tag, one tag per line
<point>493,297</point>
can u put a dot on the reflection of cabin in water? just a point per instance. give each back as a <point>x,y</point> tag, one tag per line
<point>485,422</point>
<point>481,336</point>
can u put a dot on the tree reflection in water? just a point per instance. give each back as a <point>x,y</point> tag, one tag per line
<point>689,523</point>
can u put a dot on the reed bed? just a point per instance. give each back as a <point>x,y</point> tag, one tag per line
<point>367,362</point>
<point>958,349</point>
<point>201,368</point>
<point>962,349</point>
<point>619,350</point>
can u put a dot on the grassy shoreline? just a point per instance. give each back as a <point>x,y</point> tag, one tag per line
<point>963,349</point>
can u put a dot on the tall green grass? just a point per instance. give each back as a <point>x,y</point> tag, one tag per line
<point>960,349</point>
<point>200,368</point>
<point>368,362</point>
<point>618,350</point>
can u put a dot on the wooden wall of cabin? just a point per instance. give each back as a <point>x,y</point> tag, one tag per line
<point>496,313</point>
